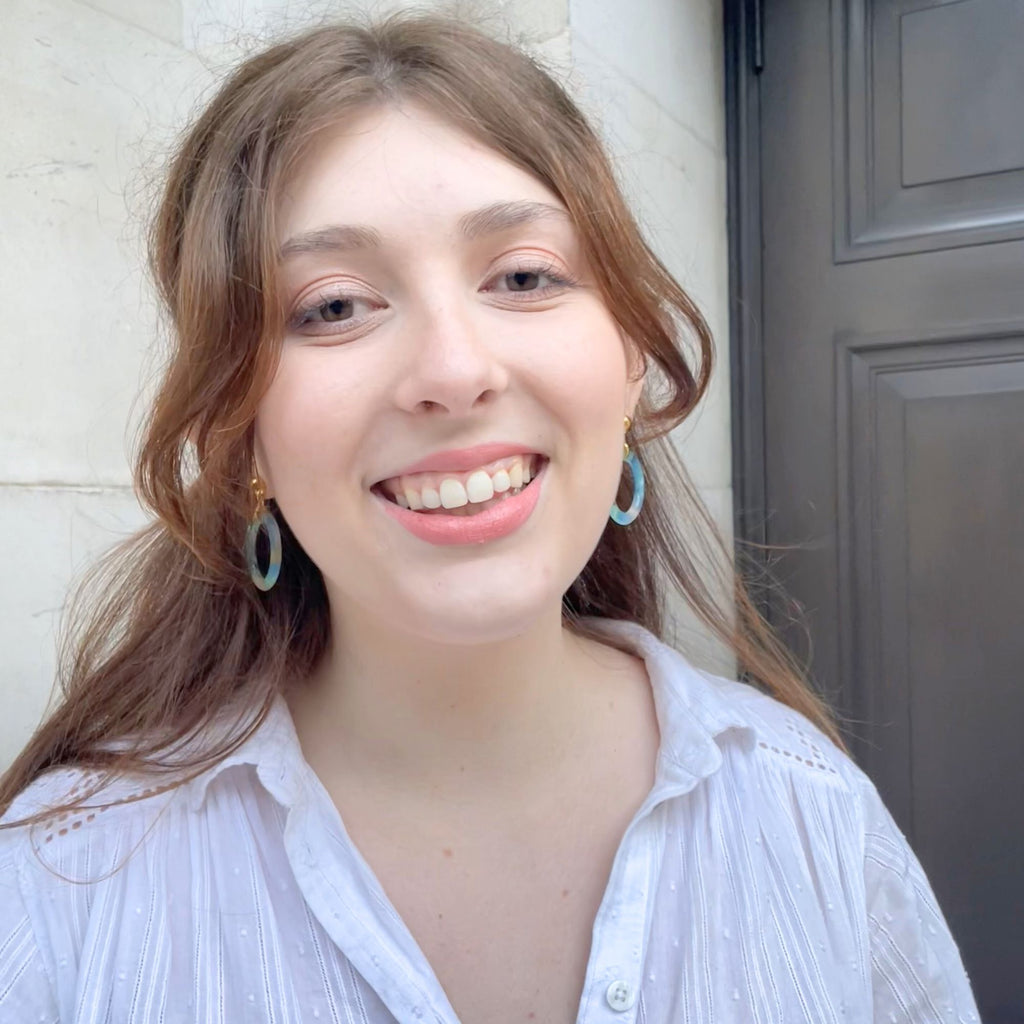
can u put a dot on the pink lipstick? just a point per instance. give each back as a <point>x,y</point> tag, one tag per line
<point>498,521</point>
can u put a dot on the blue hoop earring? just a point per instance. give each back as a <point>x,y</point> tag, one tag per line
<point>263,520</point>
<point>624,518</point>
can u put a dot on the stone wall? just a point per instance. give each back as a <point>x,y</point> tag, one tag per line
<point>93,93</point>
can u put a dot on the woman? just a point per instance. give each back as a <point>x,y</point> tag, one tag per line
<point>373,723</point>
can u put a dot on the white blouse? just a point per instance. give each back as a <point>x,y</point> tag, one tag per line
<point>761,880</point>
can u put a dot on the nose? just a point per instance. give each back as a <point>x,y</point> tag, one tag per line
<point>451,364</point>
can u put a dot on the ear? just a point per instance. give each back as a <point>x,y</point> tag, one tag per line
<point>260,462</point>
<point>637,374</point>
<point>633,391</point>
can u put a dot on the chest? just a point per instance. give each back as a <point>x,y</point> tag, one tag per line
<point>506,927</point>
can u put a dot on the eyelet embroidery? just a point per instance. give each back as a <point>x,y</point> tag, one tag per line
<point>812,761</point>
<point>86,818</point>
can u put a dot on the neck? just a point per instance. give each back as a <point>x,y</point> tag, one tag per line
<point>422,715</point>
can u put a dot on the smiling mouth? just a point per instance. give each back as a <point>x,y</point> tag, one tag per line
<point>462,494</point>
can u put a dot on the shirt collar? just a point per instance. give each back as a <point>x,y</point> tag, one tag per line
<point>273,750</point>
<point>693,708</point>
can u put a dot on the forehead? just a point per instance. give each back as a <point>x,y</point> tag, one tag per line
<point>399,167</point>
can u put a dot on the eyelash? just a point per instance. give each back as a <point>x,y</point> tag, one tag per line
<point>559,279</point>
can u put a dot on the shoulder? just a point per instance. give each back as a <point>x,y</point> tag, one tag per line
<point>73,809</point>
<point>775,762</point>
<point>782,735</point>
<point>133,859</point>
<point>696,706</point>
<point>787,749</point>
<point>49,867</point>
<point>133,841</point>
<point>73,826</point>
<point>823,826</point>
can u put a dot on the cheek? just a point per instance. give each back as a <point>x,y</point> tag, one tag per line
<point>308,417</point>
<point>591,385</point>
<point>582,355</point>
<point>590,395</point>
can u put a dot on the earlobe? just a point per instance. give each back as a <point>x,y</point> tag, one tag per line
<point>259,464</point>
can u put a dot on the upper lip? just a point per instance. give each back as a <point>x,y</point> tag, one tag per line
<point>457,460</point>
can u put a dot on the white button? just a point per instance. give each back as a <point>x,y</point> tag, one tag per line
<point>621,996</point>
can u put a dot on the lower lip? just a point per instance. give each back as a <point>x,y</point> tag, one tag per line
<point>498,521</point>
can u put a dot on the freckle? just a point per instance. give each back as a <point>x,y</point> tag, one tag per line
<point>447,852</point>
<point>565,893</point>
<point>440,917</point>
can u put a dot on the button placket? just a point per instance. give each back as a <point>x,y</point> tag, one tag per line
<point>614,982</point>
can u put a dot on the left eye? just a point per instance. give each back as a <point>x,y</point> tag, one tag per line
<point>523,280</point>
<point>329,312</point>
<point>527,280</point>
<point>336,309</point>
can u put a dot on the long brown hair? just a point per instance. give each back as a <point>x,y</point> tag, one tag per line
<point>169,630</point>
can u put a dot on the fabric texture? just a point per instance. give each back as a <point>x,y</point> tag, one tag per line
<point>762,880</point>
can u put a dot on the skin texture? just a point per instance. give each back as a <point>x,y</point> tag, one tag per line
<point>485,761</point>
<point>446,356</point>
<point>438,354</point>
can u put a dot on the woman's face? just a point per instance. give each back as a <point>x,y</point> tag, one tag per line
<point>437,301</point>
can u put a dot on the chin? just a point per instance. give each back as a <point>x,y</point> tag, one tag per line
<point>468,619</point>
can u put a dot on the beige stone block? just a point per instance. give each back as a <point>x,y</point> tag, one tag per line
<point>704,441</point>
<point>669,49</point>
<point>677,184</point>
<point>538,20</point>
<point>554,54</point>
<point>676,187</point>
<point>50,535</point>
<point>89,105</point>
<point>161,17</point>
<point>685,631</point>
<point>223,31</point>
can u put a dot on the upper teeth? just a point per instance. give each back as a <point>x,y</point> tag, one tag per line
<point>453,490</point>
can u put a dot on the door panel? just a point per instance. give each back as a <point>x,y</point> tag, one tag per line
<point>929,124</point>
<point>891,148</point>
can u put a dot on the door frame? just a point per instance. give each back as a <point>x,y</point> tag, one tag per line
<point>744,57</point>
<point>744,60</point>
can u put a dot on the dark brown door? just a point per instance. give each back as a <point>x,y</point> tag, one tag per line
<point>885,416</point>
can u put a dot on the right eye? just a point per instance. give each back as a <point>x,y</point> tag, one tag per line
<point>335,309</point>
<point>328,313</point>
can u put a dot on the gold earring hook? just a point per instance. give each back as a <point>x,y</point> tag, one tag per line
<point>258,493</point>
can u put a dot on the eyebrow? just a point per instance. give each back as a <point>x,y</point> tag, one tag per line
<point>488,220</point>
